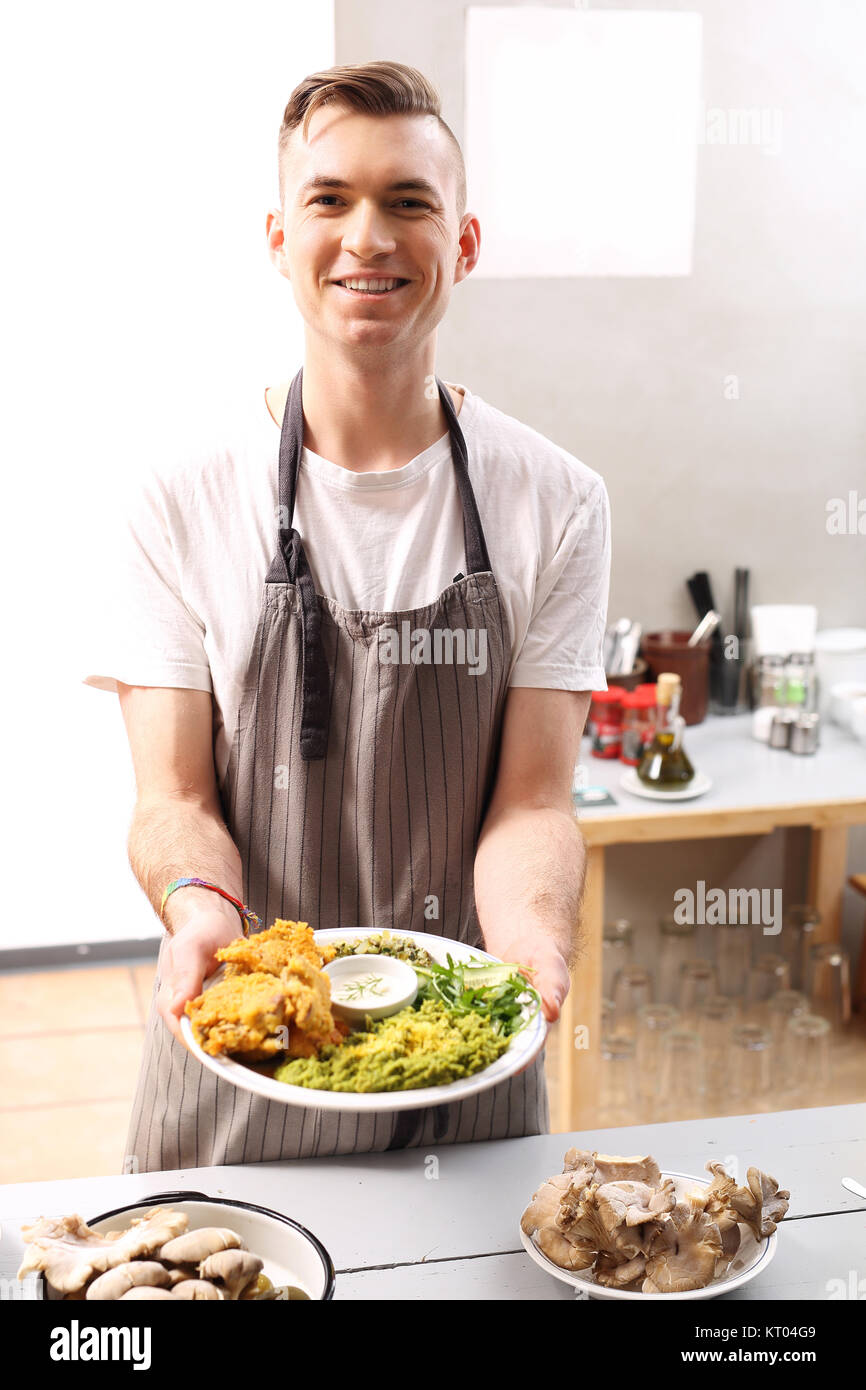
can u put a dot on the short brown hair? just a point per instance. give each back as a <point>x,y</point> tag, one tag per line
<point>377,89</point>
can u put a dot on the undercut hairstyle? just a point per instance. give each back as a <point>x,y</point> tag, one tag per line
<point>376,89</point>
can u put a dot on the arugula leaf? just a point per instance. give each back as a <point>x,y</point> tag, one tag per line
<point>498,992</point>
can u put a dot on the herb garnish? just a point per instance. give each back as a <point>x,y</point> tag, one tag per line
<point>498,992</point>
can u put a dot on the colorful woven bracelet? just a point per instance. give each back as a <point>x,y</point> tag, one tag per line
<point>248,917</point>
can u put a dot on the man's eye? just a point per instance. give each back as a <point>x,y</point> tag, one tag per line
<point>332,198</point>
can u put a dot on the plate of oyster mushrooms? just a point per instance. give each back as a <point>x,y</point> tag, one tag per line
<point>616,1226</point>
<point>194,1248</point>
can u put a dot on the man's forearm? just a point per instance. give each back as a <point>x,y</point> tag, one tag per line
<point>529,875</point>
<point>175,837</point>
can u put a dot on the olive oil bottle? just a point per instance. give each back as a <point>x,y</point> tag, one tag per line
<point>664,764</point>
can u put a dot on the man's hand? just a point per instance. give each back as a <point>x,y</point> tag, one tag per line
<point>530,861</point>
<point>190,955</point>
<point>544,967</point>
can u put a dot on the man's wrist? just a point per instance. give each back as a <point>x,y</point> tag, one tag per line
<point>190,903</point>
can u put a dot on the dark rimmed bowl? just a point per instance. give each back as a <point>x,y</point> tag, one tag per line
<point>291,1253</point>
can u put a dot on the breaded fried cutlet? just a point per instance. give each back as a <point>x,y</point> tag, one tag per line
<point>246,1013</point>
<point>260,1014</point>
<point>270,951</point>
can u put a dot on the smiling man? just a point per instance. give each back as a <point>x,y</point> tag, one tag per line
<point>293,751</point>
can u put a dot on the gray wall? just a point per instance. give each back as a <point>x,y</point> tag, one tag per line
<point>629,374</point>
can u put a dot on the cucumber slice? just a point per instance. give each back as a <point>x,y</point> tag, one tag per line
<point>478,976</point>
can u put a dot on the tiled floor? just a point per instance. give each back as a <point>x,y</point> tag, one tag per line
<point>70,1043</point>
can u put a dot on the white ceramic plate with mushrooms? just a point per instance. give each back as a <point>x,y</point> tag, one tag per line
<point>522,1050</point>
<point>751,1259</point>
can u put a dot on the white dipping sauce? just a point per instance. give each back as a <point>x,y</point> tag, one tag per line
<point>365,986</point>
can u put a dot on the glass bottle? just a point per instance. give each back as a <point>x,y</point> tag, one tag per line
<point>664,764</point>
<point>617,952</point>
<point>676,946</point>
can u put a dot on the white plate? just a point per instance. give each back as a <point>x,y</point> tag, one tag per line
<point>291,1254</point>
<point>520,1052</point>
<point>752,1258</point>
<point>630,782</point>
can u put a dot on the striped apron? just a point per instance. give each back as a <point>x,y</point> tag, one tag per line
<point>360,771</point>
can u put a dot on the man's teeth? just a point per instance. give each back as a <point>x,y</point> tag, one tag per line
<point>370,286</point>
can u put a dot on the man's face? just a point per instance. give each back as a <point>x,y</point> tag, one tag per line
<point>370,228</point>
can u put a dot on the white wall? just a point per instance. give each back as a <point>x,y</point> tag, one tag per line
<point>137,294</point>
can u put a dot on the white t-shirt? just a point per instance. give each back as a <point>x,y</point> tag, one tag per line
<point>186,569</point>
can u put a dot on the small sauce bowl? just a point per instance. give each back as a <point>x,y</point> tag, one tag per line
<point>370,986</point>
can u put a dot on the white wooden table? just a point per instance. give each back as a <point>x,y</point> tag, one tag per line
<point>443,1224</point>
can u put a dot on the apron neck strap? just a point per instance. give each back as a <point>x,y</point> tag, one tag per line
<point>284,566</point>
<point>291,564</point>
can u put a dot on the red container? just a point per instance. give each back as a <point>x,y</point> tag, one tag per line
<point>638,722</point>
<point>604,725</point>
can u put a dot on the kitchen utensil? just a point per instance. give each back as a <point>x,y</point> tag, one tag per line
<point>751,1062</point>
<point>697,983</point>
<point>829,983</point>
<point>809,1045</point>
<point>733,957</point>
<point>681,1081</point>
<point>840,655</point>
<point>799,925</point>
<point>628,647</point>
<point>842,700</point>
<point>632,990</point>
<point>781,1007</point>
<point>676,946</point>
<point>770,973</point>
<point>780,728</point>
<point>709,622</point>
<point>619,1095</point>
<point>781,628</point>
<point>856,1187</point>
<point>741,604</point>
<point>669,650</point>
<point>617,953</point>
<point>653,1021</point>
<point>804,733</point>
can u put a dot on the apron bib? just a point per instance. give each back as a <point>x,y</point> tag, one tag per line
<point>360,771</point>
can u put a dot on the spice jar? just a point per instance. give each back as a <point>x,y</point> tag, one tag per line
<point>638,722</point>
<point>605,722</point>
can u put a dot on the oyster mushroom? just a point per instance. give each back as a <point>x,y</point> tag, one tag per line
<point>762,1204</point>
<point>195,1246</point>
<point>145,1291</point>
<point>628,1203</point>
<point>198,1290</point>
<point>69,1253</point>
<point>730,1245</point>
<point>616,1168</point>
<point>619,1275</point>
<point>118,1281</point>
<point>717,1197</point>
<point>684,1252</point>
<point>540,1221</point>
<point>236,1269</point>
<point>545,1203</point>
